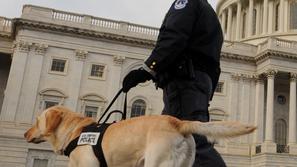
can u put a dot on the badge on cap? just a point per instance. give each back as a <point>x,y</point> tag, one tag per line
<point>180,4</point>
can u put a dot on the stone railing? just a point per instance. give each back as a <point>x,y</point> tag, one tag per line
<point>59,15</point>
<point>278,45</point>
<point>105,23</point>
<point>143,29</point>
<point>87,22</point>
<point>238,48</point>
<point>5,25</point>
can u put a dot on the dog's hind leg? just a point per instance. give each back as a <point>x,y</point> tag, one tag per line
<point>174,150</point>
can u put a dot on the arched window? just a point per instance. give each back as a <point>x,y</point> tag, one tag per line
<point>281,135</point>
<point>138,108</point>
<point>277,10</point>
<point>92,105</point>
<point>51,97</point>
<point>293,15</point>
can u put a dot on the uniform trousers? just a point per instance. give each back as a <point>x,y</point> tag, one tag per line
<point>188,99</point>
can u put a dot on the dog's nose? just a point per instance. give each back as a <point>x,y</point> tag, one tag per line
<point>25,135</point>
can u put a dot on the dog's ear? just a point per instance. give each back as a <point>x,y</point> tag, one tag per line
<point>53,120</point>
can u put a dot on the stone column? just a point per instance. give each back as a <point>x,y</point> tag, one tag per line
<point>29,91</point>
<point>259,110</point>
<point>292,115</point>
<point>15,81</point>
<point>76,78</point>
<point>224,22</point>
<point>258,30</point>
<point>269,145</point>
<point>270,106</point>
<point>234,93</point>
<point>281,15</point>
<point>250,18</point>
<point>116,84</point>
<point>285,16</point>
<point>270,17</point>
<point>238,19</point>
<point>292,110</point>
<point>229,25</point>
<point>265,18</point>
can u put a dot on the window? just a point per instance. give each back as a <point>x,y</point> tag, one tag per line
<point>91,111</point>
<point>58,65</point>
<point>40,163</point>
<point>40,158</point>
<point>97,71</point>
<point>293,15</point>
<point>281,99</point>
<point>277,17</point>
<point>92,105</point>
<point>51,97</point>
<point>48,104</point>
<point>281,135</point>
<point>138,108</point>
<point>220,87</point>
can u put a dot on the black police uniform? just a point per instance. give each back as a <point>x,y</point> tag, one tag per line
<point>185,63</point>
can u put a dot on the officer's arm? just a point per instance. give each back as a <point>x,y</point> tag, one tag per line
<point>174,36</point>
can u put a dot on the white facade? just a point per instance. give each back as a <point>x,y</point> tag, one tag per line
<point>79,61</point>
<point>253,21</point>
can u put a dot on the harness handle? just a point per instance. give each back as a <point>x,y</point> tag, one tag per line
<point>124,113</point>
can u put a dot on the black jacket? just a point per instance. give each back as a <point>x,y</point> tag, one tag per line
<point>190,28</point>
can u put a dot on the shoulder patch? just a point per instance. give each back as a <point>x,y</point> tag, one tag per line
<point>180,4</point>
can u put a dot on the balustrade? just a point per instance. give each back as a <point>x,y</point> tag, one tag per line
<point>67,16</point>
<point>278,45</point>
<point>5,25</point>
<point>104,23</point>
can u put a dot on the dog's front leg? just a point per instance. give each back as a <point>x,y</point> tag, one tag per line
<point>83,156</point>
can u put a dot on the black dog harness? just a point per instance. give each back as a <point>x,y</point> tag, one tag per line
<point>88,135</point>
<point>94,133</point>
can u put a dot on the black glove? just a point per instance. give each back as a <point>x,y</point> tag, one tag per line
<point>135,77</point>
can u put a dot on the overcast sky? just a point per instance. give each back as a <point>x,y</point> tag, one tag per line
<point>146,12</point>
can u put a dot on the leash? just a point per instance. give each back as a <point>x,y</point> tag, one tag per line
<point>124,113</point>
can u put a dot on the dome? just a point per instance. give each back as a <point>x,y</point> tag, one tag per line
<point>253,21</point>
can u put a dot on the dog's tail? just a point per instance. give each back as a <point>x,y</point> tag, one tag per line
<point>215,130</point>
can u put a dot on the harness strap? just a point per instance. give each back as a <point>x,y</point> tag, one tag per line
<point>97,149</point>
<point>111,103</point>
<point>71,146</point>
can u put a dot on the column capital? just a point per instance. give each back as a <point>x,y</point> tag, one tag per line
<point>22,46</point>
<point>40,49</point>
<point>249,77</point>
<point>118,60</point>
<point>236,76</point>
<point>258,78</point>
<point>293,77</point>
<point>81,55</point>
<point>271,73</point>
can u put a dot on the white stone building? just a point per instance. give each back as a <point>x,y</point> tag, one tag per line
<point>50,57</point>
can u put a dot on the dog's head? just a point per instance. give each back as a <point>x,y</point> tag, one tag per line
<point>45,126</point>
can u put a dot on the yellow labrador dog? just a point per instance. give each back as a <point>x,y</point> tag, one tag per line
<point>147,141</point>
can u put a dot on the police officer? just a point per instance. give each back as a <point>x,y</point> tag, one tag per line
<point>185,63</point>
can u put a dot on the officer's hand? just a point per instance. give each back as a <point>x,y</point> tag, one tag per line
<point>135,77</point>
